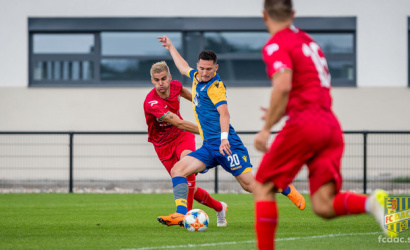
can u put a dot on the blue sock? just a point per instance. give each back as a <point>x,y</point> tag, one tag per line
<point>286,191</point>
<point>180,185</point>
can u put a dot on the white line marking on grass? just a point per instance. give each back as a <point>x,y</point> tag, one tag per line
<point>252,241</point>
<point>325,236</point>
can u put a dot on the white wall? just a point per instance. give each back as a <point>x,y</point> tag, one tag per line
<point>380,101</point>
<point>381,36</point>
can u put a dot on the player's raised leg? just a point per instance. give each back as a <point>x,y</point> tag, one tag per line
<point>294,196</point>
<point>328,203</point>
<point>375,207</point>
<point>203,197</point>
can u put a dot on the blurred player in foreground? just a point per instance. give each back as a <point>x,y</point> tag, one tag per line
<point>221,146</point>
<point>312,135</point>
<point>171,135</point>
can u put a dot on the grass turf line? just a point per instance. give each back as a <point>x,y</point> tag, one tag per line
<point>128,221</point>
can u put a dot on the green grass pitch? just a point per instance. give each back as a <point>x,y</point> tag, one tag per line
<point>128,221</point>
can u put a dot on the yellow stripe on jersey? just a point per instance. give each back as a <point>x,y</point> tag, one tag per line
<point>201,132</point>
<point>189,71</point>
<point>217,92</point>
<point>194,83</point>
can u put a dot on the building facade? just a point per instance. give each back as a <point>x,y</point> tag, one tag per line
<point>84,65</point>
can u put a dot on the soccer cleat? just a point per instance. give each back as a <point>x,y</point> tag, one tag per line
<point>172,219</point>
<point>376,207</point>
<point>221,216</point>
<point>296,198</point>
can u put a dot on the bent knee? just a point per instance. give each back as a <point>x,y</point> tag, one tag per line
<point>324,210</point>
<point>177,170</point>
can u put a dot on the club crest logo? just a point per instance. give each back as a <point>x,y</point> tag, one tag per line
<point>397,213</point>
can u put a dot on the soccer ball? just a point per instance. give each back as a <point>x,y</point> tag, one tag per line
<point>196,220</point>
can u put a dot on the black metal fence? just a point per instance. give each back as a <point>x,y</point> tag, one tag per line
<point>126,162</point>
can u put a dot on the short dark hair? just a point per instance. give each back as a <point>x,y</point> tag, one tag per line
<point>208,55</point>
<point>279,10</point>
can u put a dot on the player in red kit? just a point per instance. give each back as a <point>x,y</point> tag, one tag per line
<point>172,136</point>
<point>298,70</point>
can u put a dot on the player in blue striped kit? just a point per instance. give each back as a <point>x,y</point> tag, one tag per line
<point>221,145</point>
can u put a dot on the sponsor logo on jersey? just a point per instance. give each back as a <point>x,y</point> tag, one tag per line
<point>278,65</point>
<point>270,49</point>
<point>153,103</point>
<point>235,168</point>
<point>397,213</point>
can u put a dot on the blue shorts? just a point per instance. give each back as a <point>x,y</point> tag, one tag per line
<point>236,163</point>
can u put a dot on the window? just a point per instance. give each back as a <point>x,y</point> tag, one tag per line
<point>63,43</point>
<point>63,57</point>
<point>339,50</point>
<point>84,52</point>
<point>128,56</point>
<point>239,56</point>
<point>337,38</point>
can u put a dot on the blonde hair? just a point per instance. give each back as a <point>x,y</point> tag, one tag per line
<point>279,10</point>
<point>159,67</point>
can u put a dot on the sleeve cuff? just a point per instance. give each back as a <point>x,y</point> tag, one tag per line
<point>220,103</point>
<point>164,115</point>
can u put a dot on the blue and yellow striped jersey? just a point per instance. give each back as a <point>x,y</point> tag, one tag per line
<point>207,96</point>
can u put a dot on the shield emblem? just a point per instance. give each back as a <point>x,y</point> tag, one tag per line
<point>397,213</point>
<point>394,204</point>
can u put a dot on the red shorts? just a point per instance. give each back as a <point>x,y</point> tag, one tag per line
<point>170,153</point>
<point>318,146</point>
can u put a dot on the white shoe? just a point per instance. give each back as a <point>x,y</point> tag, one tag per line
<point>221,216</point>
<point>376,207</point>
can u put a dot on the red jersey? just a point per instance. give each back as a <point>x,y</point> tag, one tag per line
<point>155,107</point>
<point>295,50</point>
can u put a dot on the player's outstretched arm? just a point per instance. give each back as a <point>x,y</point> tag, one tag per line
<point>186,94</point>
<point>180,62</point>
<point>179,123</point>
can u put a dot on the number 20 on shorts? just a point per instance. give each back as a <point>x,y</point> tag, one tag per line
<point>234,160</point>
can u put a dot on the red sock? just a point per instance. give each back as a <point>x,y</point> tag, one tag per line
<point>191,191</point>
<point>266,220</point>
<point>203,197</point>
<point>349,203</point>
